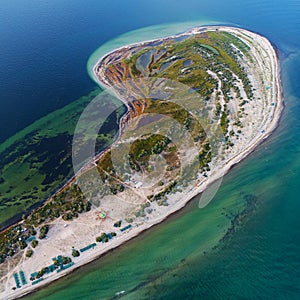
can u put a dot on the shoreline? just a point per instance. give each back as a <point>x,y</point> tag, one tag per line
<point>234,160</point>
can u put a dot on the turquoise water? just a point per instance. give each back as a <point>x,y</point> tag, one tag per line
<point>261,260</point>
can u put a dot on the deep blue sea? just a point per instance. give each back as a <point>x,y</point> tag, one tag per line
<point>44,45</point>
<point>44,49</point>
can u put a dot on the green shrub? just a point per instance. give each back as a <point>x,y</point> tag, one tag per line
<point>43,231</point>
<point>29,252</point>
<point>98,239</point>
<point>34,243</point>
<point>75,253</point>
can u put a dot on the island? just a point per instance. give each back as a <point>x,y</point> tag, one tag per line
<point>197,104</point>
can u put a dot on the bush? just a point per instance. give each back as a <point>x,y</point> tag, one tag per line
<point>43,231</point>
<point>66,260</point>
<point>75,253</point>
<point>56,262</point>
<point>103,235</point>
<point>29,252</point>
<point>87,207</point>
<point>22,244</point>
<point>34,243</point>
<point>67,216</point>
<point>118,224</point>
<point>98,239</point>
